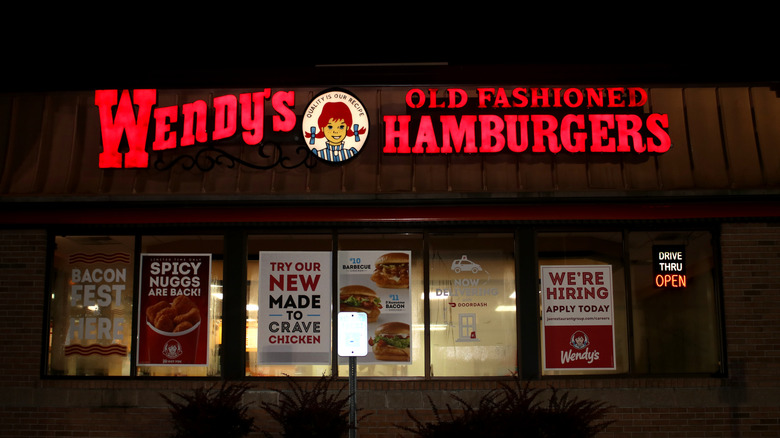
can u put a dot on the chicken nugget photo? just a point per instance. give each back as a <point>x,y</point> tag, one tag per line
<point>183,304</point>
<point>164,319</point>
<point>152,311</point>
<point>183,326</point>
<point>193,316</point>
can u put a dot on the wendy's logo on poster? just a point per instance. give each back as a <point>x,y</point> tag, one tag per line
<point>581,351</point>
<point>172,349</point>
<point>335,126</point>
<point>579,340</point>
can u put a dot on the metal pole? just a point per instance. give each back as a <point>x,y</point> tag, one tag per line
<point>353,396</point>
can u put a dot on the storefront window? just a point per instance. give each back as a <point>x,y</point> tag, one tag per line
<point>438,304</point>
<point>472,305</point>
<point>382,275</point>
<point>583,303</point>
<point>180,306</point>
<point>91,306</point>
<point>674,302</point>
<point>289,311</point>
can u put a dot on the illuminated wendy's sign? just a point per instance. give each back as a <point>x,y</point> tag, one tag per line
<point>335,124</point>
<point>526,120</point>
<point>134,115</point>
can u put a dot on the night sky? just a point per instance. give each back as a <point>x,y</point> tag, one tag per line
<point>119,52</point>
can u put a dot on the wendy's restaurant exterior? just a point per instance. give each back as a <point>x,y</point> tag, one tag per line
<point>618,241</point>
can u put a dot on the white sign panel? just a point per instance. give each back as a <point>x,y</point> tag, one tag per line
<point>353,334</point>
<point>294,315</point>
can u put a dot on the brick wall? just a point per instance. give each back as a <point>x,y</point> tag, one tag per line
<point>746,404</point>
<point>22,277</point>
<point>751,280</point>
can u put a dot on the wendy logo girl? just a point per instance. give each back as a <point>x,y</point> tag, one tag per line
<point>579,340</point>
<point>335,125</point>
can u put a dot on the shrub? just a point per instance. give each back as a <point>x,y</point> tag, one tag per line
<point>320,411</point>
<point>515,411</point>
<point>211,412</point>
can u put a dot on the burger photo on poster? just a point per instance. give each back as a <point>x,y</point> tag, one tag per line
<point>392,271</point>
<point>357,298</point>
<point>391,342</point>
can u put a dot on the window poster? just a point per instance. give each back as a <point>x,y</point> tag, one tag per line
<point>173,311</point>
<point>467,289</point>
<point>100,316</point>
<point>578,317</point>
<point>377,283</point>
<point>294,315</point>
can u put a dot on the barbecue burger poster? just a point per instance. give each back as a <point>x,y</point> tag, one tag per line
<point>294,308</point>
<point>578,317</point>
<point>377,283</point>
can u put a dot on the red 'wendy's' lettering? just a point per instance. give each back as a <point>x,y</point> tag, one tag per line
<point>230,113</point>
<point>125,121</point>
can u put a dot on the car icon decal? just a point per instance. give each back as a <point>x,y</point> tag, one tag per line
<point>464,264</point>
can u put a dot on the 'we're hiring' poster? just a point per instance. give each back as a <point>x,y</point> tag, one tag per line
<point>578,317</point>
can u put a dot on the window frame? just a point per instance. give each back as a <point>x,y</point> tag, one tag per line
<point>235,250</point>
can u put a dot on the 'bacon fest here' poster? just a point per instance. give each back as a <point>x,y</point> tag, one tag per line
<point>578,317</point>
<point>100,299</point>
<point>377,283</point>
<point>294,315</point>
<point>173,309</point>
